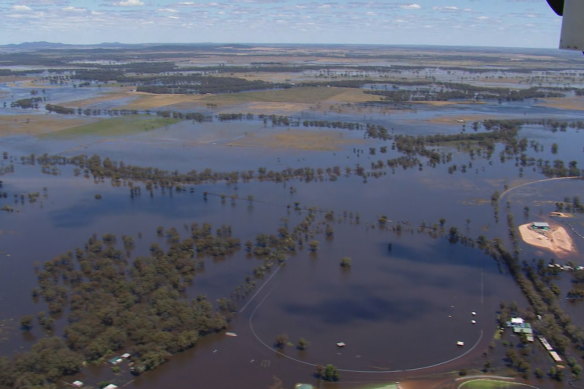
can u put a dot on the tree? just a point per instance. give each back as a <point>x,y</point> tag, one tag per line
<point>453,235</point>
<point>302,344</point>
<point>330,373</point>
<point>26,322</point>
<point>346,263</point>
<point>313,244</point>
<point>281,341</point>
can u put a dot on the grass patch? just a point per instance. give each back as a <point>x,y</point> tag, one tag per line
<point>299,140</point>
<point>491,384</point>
<point>126,125</point>
<point>38,124</point>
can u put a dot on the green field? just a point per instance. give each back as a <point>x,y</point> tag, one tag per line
<point>126,125</point>
<point>491,384</point>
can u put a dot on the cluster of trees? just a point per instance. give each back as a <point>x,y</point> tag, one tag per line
<point>204,84</point>
<point>112,304</point>
<point>559,169</point>
<point>452,91</point>
<point>47,361</point>
<point>31,102</point>
<point>60,109</point>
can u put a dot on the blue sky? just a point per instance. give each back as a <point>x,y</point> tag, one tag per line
<point>509,23</point>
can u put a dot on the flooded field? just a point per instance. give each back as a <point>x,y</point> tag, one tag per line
<point>384,225</point>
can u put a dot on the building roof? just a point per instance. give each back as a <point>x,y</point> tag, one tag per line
<point>555,356</point>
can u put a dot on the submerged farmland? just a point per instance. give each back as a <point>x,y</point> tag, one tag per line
<point>199,217</point>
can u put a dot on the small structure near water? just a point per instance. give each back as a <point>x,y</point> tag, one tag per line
<point>519,326</point>
<point>540,226</point>
<point>115,360</point>
<point>555,356</point>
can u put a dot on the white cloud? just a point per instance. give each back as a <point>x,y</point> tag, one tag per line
<point>447,8</point>
<point>130,3</point>
<point>73,9</point>
<point>411,6</point>
<point>21,8</point>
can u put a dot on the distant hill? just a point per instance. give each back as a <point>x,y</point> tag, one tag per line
<point>36,45</point>
<point>42,45</point>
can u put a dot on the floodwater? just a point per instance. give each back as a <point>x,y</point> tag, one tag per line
<point>400,311</point>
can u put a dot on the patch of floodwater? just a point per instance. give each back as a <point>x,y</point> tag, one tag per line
<point>220,146</point>
<point>396,310</point>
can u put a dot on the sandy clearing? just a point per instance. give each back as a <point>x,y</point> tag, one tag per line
<point>557,239</point>
<point>37,124</point>
<point>564,215</point>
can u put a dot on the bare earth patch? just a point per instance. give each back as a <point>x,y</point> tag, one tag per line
<point>571,103</point>
<point>446,103</point>
<point>564,215</point>
<point>111,96</point>
<point>300,95</point>
<point>37,124</point>
<point>267,107</point>
<point>556,240</point>
<point>301,140</point>
<point>149,101</point>
<point>460,119</point>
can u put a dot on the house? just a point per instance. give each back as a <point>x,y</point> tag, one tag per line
<point>515,321</point>
<point>526,329</point>
<point>555,356</point>
<point>519,327</point>
<point>542,226</point>
<point>115,360</point>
